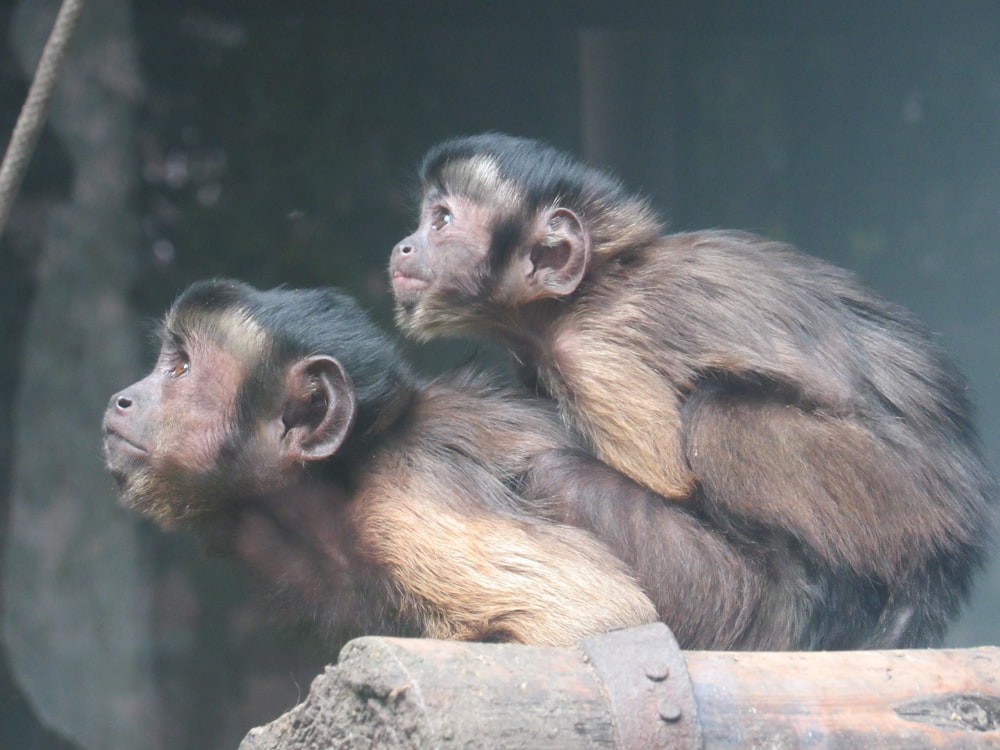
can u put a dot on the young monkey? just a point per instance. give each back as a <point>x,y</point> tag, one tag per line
<point>814,425</point>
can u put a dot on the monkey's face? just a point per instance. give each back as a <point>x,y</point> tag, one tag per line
<point>190,441</point>
<point>437,272</point>
<point>170,438</point>
<point>479,262</point>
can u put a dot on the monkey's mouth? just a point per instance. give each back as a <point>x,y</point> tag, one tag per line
<point>408,287</point>
<point>116,444</point>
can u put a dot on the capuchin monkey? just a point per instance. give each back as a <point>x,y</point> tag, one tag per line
<point>766,395</point>
<point>286,428</point>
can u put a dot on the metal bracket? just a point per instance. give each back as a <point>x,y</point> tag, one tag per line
<point>648,688</point>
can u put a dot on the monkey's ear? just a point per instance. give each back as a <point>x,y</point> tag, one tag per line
<point>319,408</point>
<point>558,254</point>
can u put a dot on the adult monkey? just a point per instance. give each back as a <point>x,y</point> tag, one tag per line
<point>815,425</point>
<point>285,425</point>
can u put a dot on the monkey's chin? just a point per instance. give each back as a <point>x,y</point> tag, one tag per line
<point>408,289</point>
<point>405,314</point>
<point>148,507</point>
<point>124,461</point>
<point>158,512</point>
<point>407,301</point>
<point>425,321</point>
<point>138,492</point>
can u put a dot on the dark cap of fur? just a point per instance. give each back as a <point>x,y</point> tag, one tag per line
<point>300,323</point>
<point>543,177</point>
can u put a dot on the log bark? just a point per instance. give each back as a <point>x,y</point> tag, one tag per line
<point>849,699</point>
<point>396,693</point>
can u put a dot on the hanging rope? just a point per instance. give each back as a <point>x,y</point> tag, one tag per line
<point>32,116</point>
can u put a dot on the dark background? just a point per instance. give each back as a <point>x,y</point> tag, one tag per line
<point>276,142</point>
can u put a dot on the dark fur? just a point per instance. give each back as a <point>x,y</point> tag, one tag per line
<point>284,426</point>
<point>814,428</point>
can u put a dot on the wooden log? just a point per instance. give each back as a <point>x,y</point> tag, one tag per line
<point>392,694</point>
<point>849,699</point>
<point>631,689</point>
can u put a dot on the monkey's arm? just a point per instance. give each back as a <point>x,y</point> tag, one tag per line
<point>628,413</point>
<point>470,567</point>
<point>705,587</point>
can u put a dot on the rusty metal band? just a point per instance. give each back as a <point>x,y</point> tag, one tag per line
<point>648,688</point>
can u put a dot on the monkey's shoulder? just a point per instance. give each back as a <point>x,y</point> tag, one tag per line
<point>472,416</point>
<point>742,258</point>
<point>762,271</point>
<point>733,276</point>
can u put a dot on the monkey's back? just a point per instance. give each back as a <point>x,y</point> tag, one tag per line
<point>467,556</point>
<point>782,320</point>
<point>807,403</point>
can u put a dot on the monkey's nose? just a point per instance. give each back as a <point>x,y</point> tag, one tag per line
<point>121,401</point>
<point>404,248</point>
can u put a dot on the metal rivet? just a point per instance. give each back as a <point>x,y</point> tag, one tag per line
<point>657,670</point>
<point>668,710</point>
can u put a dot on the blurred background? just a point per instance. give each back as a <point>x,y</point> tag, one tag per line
<point>277,142</point>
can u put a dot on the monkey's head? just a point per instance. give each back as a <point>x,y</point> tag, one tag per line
<point>506,223</point>
<point>252,390</point>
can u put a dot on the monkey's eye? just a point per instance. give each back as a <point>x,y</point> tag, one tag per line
<point>178,367</point>
<point>441,218</point>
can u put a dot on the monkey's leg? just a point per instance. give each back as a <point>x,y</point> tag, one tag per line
<point>828,479</point>
<point>870,517</point>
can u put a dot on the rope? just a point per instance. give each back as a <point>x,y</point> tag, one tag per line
<point>32,116</point>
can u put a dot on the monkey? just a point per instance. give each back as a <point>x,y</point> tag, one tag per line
<point>816,427</point>
<point>286,428</point>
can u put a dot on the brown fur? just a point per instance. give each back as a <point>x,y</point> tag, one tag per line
<point>467,571</point>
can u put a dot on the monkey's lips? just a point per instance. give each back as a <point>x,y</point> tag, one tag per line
<point>117,445</point>
<point>408,288</point>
